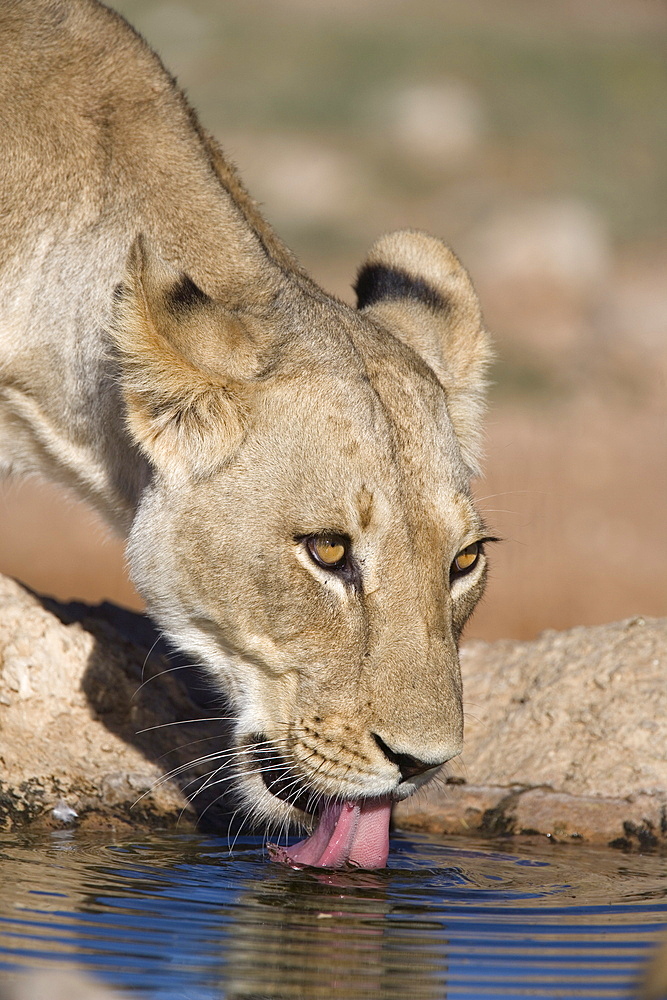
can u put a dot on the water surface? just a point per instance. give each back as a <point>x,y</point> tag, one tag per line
<point>180,917</point>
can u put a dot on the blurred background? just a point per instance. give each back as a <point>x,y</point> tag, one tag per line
<point>532,136</point>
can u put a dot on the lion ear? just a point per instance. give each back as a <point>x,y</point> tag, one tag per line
<point>415,287</point>
<point>175,348</point>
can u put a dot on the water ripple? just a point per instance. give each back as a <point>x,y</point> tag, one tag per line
<point>178,916</point>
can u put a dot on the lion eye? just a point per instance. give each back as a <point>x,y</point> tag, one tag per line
<point>466,559</point>
<point>329,551</point>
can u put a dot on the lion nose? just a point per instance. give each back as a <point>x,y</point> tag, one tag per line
<point>408,765</point>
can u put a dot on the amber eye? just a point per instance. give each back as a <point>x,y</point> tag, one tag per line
<point>466,559</point>
<point>329,551</point>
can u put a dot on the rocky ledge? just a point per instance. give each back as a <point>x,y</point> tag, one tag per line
<point>565,736</point>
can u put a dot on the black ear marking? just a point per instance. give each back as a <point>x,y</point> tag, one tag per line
<point>185,296</point>
<point>376,282</point>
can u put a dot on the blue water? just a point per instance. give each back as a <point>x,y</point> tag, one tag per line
<point>175,917</point>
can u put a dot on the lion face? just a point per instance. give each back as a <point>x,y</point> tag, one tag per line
<point>320,557</point>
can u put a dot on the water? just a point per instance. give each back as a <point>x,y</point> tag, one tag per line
<point>175,917</point>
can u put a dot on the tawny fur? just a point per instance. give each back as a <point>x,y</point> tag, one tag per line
<point>163,356</point>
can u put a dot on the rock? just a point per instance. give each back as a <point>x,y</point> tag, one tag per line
<point>87,712</point>
<point>55,986</point>
<point>654,985</point>
<point>564,242</point>
<point>632,318</point>
<point>436,124</point>
<point>305,181</point>
<point>542,268</point>
<point>565,735</point>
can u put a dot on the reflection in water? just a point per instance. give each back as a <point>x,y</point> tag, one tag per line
<point>321,937</point>
<point>177,917</point>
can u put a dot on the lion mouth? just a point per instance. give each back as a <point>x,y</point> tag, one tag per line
<point>346,832</point>
<point>281,780</point>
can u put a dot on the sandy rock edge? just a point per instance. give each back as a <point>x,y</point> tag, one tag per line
<point>94,714</point>
<point>88,703</point>
<point>633,822</point>
<point>565,737</point>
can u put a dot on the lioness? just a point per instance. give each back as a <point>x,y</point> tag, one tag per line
<point>291,474</point>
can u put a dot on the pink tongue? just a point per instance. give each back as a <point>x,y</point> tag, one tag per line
<point>356,832</point>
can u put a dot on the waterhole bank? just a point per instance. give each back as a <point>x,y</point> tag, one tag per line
<point>564,735</point>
